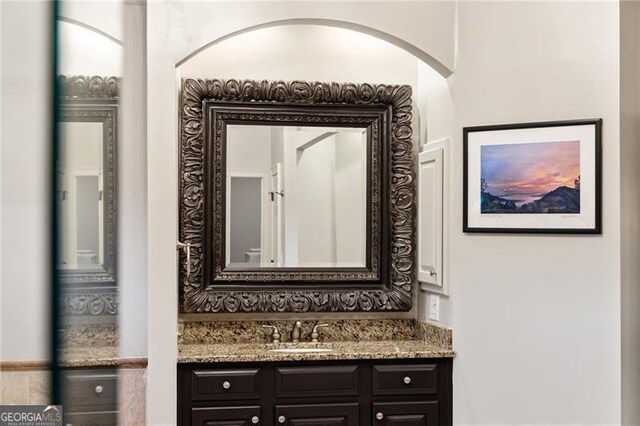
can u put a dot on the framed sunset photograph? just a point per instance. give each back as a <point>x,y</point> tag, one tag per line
<point>533,178</point>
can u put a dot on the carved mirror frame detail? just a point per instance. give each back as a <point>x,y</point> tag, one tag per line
<point>94,99</point>
<point>335,291</point>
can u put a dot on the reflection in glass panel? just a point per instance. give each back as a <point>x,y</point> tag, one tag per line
<point>296,196</point>
<point>80,195</point>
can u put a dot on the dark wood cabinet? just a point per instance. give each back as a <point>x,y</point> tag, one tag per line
<point>90,396</point>
<point>402,392</point>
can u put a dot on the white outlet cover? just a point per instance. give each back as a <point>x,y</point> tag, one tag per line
<point>434,307</point>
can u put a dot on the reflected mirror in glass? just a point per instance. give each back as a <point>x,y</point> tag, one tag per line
<point>80,195</point>
<point>296,196</point>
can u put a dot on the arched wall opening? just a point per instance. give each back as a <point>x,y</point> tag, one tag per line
<point>176,35</point>
<point>85,50</point>
<point>310,50</point>
<point>314,52</point>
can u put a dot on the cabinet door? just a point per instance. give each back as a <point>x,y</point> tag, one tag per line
<point>422,413</point>
<point>226,416</point>
<point>317,415</point>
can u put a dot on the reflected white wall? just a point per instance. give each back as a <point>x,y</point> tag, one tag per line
<point>86,52</point>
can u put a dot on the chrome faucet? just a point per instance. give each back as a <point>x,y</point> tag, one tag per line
<point>295,333</point>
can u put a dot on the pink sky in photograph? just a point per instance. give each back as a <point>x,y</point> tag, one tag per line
<point>530,168</point>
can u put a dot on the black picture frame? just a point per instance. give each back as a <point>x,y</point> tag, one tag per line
<point>596,228</point>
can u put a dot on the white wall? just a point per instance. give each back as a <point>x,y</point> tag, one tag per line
<point>536,319</point>
<point>86,52</point>
<point>102,15</point>
<point>132,191</point>
<point>251,148</point>
<point>350,186</point>
<point>630,205</point>
<point>24,161</point>
<point>426,29</point>
<point>313,196</point>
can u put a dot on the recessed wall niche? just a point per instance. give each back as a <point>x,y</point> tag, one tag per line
<point>321,53</point>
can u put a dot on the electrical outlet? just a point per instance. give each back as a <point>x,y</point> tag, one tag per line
<point>434,307</point>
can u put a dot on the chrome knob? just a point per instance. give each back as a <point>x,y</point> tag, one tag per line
<point>406,380</point>
<point>282,419</point>
<point>255,420</point>
<point>226,385</point>
<point>379,416</point>
<point>98,389</point>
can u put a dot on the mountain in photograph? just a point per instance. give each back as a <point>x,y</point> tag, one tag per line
<point>560,200</point>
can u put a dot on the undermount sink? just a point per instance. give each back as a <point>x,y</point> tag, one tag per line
<point>300,350</point>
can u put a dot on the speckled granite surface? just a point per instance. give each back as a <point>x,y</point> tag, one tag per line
<point>98,356</point>
<point>259,352</point>
<point>90,356</point>
<point>435,334</point>
<point>246,341</point>
<point>83,335</point>
<point>253,332</point>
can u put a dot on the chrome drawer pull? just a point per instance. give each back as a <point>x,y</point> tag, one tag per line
<point>98,389</point>
<point>379,416</point>
<point>255,420</point>
<point>282,419</point>
<point>406,380</point>
<point>226,385</point>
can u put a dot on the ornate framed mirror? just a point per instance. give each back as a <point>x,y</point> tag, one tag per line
<point>296,197</point>
<point>86,194</point>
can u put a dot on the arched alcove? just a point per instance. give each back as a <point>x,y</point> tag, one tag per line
<point>332,23</point>
<point>86,50</point>
<point>320,50</point>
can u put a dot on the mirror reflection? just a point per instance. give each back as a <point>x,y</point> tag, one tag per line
<point>80,195</point>
<point>296,196</point>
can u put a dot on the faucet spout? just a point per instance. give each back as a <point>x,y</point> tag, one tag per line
<point>295,333</point>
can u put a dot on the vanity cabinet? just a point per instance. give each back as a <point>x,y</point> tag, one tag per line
<point>90,396</point>
<point>317,393</point>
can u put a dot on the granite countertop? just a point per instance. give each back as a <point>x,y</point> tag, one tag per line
<point>239,341</point>
<point>258,352</point>
<point>89,356</point>
<point>247,341</point>
<point>98,356</point>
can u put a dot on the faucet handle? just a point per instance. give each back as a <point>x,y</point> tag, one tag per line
<point>315,334</point>
<point>275,336</point>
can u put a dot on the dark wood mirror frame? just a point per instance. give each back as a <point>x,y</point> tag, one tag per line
<point>385,283</point>
<point>94,99</point>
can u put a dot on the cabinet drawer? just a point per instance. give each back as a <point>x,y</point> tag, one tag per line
<point>227,384</point>
<point>90,390</point>
<point>405,379</point>
<point>317,415</point>
<point>109,418</point>
<point>422,413</point>
<point>317,381</point>
<point>226,416</point>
